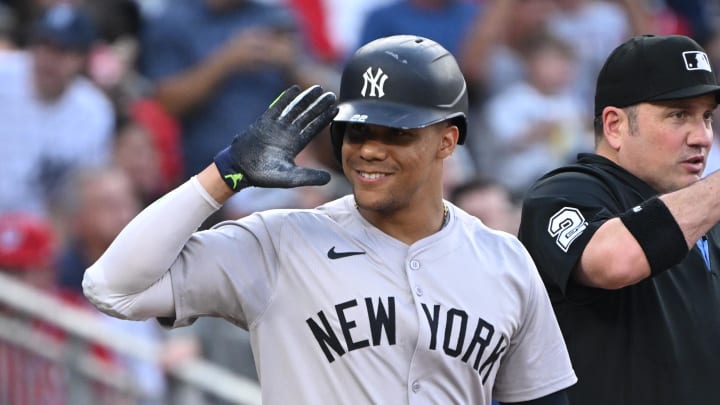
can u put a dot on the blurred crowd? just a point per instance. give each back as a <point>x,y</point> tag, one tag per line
<point>108,104</point>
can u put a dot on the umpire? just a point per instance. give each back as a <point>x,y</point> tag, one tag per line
<point>626,239</point>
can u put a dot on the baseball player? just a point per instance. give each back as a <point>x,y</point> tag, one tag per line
<point>387,296</point>
<point>614,235</point>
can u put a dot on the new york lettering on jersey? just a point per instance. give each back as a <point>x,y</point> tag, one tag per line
<point>448,329</point>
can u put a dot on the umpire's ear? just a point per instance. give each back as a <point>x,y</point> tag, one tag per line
<point>616,124</point>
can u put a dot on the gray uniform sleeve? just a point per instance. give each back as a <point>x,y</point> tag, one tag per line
<point>228,271</point>
<point>131,279</point>
<point>537,362</point>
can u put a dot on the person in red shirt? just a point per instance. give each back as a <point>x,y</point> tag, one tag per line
<point>27,251</point>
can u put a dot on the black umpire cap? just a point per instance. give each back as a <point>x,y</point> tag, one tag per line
<point>654,68</point>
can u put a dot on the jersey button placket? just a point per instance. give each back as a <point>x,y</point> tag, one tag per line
<point>414,265</point>
<point>415,386</point>
<point>413,273</point>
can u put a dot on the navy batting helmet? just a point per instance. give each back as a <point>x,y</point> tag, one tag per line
<point>401,81</point>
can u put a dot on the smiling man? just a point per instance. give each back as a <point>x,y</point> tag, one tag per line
<point>626,239</point>
<point>390,295</point>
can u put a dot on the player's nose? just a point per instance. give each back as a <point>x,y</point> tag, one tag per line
<point>372,148</point>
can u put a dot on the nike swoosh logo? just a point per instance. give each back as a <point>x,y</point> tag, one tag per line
<point>332,254</point>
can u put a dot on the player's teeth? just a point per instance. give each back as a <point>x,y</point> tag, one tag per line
<point>371,175</point>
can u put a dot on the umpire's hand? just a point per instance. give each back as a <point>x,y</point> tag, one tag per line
<point>264,154</point>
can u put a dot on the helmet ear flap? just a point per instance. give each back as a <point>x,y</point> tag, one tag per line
<point>337,132</point>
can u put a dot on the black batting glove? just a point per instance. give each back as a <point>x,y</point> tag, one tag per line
<point>264,154</point>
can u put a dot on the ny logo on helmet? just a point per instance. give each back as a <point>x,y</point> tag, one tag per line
<point>375,82</point>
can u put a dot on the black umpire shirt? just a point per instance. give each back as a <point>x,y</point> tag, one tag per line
<point>653,343</point>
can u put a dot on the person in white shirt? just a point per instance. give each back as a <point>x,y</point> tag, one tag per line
<point>54,119</point>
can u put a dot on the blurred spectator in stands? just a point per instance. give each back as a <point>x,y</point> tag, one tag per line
<point>165,132</point>
<point>488,200</point>
<point>113,66</point>
<point>113,63</point>
<point>216,64</point>
<point>593,28</point>
<point>490,54</point>
<point>536,124</point>
<point>489,57</point>
<point>53,118</point>
<point>138,153</point>
<point>445,21</point>
<point>27,246</point>
<point>92,208</point>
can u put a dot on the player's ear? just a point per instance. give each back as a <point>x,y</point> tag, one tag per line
<point>615,123</point>
<point>449,138</point>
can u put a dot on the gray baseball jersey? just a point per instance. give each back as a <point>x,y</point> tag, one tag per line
<point>339,312</point>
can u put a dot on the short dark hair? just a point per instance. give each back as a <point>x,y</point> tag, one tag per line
<point>630,111</point>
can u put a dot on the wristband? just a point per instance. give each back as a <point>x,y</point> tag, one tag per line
<point>659,235</point>
<point>233,177</point>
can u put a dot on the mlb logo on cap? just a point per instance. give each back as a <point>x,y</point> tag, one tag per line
<point>696,60</point>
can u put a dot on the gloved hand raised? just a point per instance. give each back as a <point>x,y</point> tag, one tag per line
<point>264,154</point>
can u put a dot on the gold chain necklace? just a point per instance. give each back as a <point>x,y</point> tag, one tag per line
<point>446,212</point>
